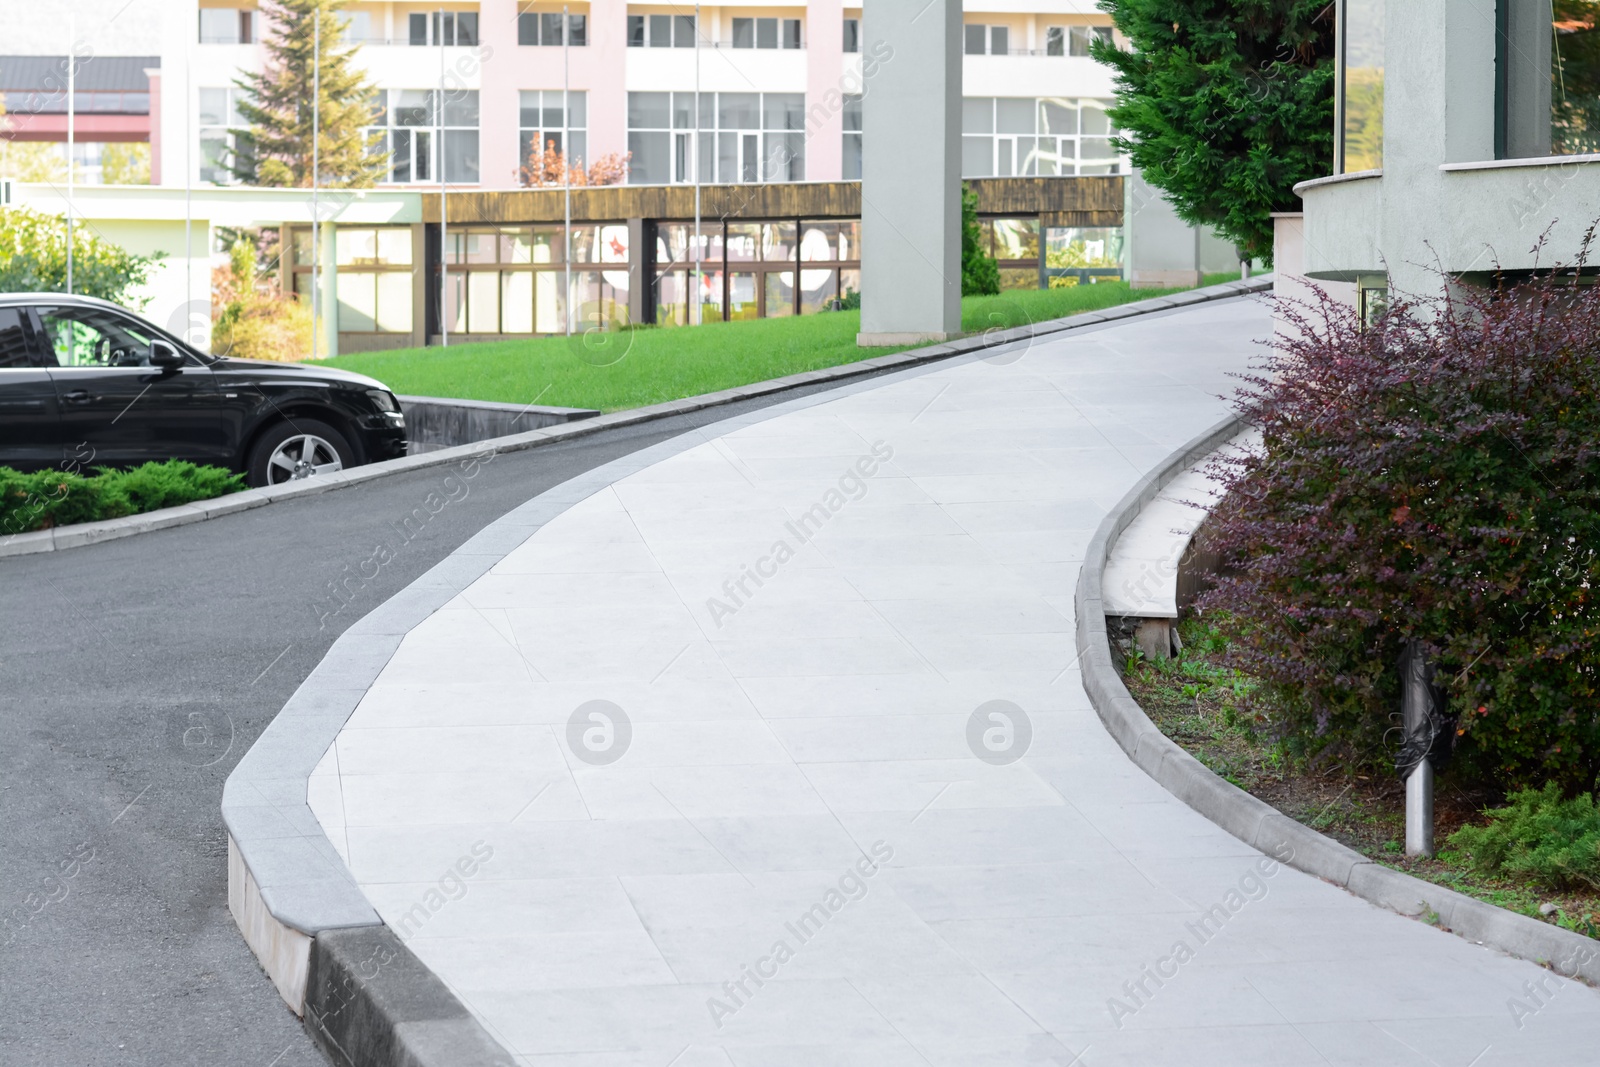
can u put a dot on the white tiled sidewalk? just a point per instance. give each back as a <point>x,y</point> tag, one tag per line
<point>780,751</point>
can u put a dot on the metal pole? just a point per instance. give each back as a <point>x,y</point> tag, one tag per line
<point>1419,810</point>
<point>566,152</point>
<point>316,167</point>
<point>444,221</point>
<point>72,70</point>
<point>694,144</point>
<point>190,103</point>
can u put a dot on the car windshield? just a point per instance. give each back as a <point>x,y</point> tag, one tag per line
<point>94,337</point>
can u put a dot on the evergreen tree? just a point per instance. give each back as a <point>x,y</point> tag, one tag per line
<point>980,275</point>
<point>1224,105</point>
<point>280,104</point>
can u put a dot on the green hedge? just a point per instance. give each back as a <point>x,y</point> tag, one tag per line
<point>43,499</point>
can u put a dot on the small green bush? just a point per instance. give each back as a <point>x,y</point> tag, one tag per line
<point>1539,836</point>
<point>42,499</point>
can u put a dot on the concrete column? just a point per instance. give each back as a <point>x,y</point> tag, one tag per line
<point>911,173</point>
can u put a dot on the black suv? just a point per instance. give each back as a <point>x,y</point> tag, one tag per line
<point>85,383</point>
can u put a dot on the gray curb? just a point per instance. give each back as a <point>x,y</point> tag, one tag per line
<point>1254,821</point>
<point>91,532</point>
<point>304,888</point>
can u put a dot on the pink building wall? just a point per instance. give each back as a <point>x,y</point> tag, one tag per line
<point>824,43</point>
<point>597,69</point>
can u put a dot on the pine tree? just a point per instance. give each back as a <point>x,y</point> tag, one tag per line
<point>1224,106</point>
<point>280,104</point>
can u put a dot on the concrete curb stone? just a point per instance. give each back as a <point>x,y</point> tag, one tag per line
<point>1252,820</point>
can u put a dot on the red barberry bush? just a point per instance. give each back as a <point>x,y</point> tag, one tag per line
<point>1435,474</point>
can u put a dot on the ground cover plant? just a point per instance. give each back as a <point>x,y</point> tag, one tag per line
<point>1226,720</point>
<point>43,499</point>
<point>613,370</point>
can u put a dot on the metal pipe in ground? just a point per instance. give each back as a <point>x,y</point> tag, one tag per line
<point>1419,810</point>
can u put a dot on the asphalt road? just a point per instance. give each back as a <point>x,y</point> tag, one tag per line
<point>133,675</point>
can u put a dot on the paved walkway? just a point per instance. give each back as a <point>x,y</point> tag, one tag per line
<point>799,859</point>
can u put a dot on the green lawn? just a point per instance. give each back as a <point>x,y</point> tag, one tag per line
<point>633,368</point>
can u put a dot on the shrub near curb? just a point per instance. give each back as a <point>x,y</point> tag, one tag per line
<point>42,499</point>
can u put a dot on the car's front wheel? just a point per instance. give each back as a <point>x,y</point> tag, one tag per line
<point>302,448</point>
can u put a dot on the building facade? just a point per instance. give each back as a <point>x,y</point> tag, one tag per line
<point>1468,146</point>
<point>468,90</point>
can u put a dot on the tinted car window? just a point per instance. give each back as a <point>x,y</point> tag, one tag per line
<point>91,337</point>
<point>13,341</point>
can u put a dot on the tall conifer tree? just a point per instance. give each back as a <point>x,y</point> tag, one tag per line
<point>280,103</point>
<point>1224,105</point>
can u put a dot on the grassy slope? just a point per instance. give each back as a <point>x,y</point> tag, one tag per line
<point>1209,711</point>
<point>633,368</point>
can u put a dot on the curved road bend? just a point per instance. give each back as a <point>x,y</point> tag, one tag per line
<point>133,675</point>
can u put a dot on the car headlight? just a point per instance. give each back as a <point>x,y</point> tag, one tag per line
<point>383,400</point>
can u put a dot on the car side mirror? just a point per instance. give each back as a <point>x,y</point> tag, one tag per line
<point>165,356</point>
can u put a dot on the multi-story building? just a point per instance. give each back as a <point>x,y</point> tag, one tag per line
<point>734,132</point>
<point>779,88</point>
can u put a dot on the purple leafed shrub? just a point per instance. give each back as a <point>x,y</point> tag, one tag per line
<point>1436,474</point>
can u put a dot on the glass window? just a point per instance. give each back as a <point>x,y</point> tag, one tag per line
<point>650,157</point>
<point>550,28</point>
<point>777,242</point>
<point>14,351</point>
<point>1361,84</point>
<point>1548,60</point>
<point>1054,43</point>
<point>819,241</point>
<point>649,110</point>
<point>974,39</point>
<point>90,337</point>
<point>635,31</point>
<point>660,31</point>
<point>577,30</point>
<point>783,111</point>
<point>394,302</point>
<point>818,290</point>
<point>516,301</point>
<point>358,302</point>
<point>483,301</point>
<point>766,33</point>
<point>549,302</point>
<point>744,240</point>
<point>528,28</point>
<point>1079,40</point>
<point>219,25</point>
<point>779,293</point>
<point>791,33</point>
<point>683,31</point>
<point>1016,238</point>
<point>742,302</point>
<point>852,35</point>
<point>744,33</point>
<point>852,138</point>
<point>999,40</point>
<point>1013,115</point>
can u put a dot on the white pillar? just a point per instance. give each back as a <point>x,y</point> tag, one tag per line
<point>911,172</point>
<point>327,292</point>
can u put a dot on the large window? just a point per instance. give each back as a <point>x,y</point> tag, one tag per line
<point>986,40</point>
<point>755,269</point>
<point>852,35</point>
<point>227,25</point>
<point>552,29</point>
<point>512,279</point>
<point>1360,88</point>
<point>447,28</point>
<point>409,120</point>
<point>375,276</point>
<point>1548,78</point>
<point>1009,136</point>
<point>766,33</point>
<point>741,138</point>
<point>224,135</point>
<point>1073,40</point>
<point>544,127</point>
<point>661,31</point>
